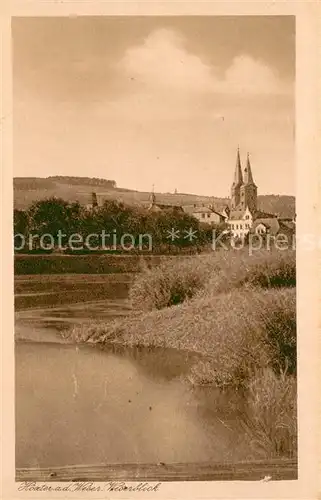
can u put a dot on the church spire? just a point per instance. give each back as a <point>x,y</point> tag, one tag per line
<point>152,197</point>
<point>249,190</point>
<point>248,177</point>
<point>238,178</point>
<point>237,183</point>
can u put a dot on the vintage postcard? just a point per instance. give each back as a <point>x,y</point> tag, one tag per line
<point>160,242</point>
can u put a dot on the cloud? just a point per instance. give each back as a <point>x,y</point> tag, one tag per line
<point>251,76</point>
<point>160,80</point>
<point>162,63</point>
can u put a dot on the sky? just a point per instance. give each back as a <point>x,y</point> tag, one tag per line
<point>161,101</point>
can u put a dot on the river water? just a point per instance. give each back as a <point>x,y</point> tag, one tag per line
<point>81,404</point>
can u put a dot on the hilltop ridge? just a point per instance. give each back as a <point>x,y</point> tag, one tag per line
<point>29,189</point>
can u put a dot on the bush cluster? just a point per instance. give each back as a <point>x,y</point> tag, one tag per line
<point>175,281</point>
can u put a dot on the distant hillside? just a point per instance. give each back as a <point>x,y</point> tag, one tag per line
<point>32,184</point>
<point>282,205</point>
<point>88,181</point>
<point>29,189</point>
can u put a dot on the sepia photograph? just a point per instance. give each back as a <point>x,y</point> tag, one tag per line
<point>154,234</point>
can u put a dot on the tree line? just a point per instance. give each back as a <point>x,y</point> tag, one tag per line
<point>168,230</point>
<point>92,181</point>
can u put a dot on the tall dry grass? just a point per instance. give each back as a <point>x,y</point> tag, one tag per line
<point>178,280</point>
<point>172,282</point>
<point>270,415</point>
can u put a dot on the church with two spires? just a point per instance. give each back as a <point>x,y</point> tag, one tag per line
<point>243,216</point>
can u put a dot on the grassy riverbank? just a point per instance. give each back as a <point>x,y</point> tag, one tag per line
<point>239,313</point>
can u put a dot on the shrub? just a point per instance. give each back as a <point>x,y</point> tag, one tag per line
<point>172,282</point>
<point>265,269</point>
<point>277,316</point>
<point>270,415</point>
<point>177,280</point>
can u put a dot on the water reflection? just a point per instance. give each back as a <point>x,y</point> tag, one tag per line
<point>83,404</point>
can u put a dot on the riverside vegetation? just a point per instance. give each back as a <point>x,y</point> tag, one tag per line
<point>149,231</point>
<point>238,312</point>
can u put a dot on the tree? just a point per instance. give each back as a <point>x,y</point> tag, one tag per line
<point>20,222</point>
<point>52,215</point>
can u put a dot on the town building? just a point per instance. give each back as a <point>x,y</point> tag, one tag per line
<point>206,214</point>
<point>161,207</point>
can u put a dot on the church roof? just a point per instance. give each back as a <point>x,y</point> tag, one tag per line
<point>192,209</point>
<point>205,210</point>
<point>236,214</point>
<point>263,215</point>
<point>258,214</point>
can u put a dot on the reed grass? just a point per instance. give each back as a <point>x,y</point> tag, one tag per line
<point>175,281</point>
